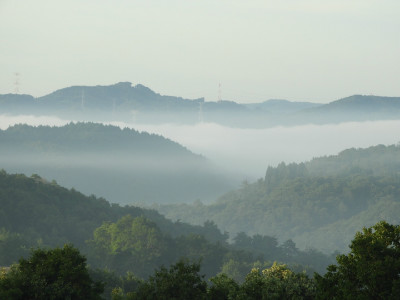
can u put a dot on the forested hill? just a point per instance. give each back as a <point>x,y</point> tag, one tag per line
<point>317,204</point>
<point>375,160</point>
<point>123,165</point>
<point>91,138</point>
<point>37,213</point>
<point>137,103</point>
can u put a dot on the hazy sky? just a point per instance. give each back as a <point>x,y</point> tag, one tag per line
<point>309,50</point>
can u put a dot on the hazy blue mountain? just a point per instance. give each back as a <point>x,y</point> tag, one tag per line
<point>364,103</point>
<point>123,165</point>
<point>113,97</point>
<point>355,108</point>
<point>125,102</point>
<point>17,104</point>
<point>280,106</point>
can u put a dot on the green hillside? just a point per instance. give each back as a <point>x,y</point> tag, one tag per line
<point>38,213</point>
<point>317,204</point>
<point>44,212</point>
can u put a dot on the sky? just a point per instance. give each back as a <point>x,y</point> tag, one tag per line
<point>240,50</point>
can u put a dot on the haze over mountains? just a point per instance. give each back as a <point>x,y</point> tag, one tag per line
<point>139,104</point>
<point>123,165</point>
<point>232,141</point>
<point>318,204</point>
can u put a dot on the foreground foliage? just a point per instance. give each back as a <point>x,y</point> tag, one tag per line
<point>183,281</point>
<point>371,269</point>
<point>59,273</point>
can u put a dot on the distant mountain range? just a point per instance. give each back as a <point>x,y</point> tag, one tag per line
<point>124,102</point>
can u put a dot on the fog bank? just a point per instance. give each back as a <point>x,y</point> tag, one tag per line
<point>7,120</point>
<point>248,152</point>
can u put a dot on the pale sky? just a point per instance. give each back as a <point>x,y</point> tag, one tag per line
<point>300,50</point>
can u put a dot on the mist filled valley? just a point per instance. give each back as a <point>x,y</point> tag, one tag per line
<point>245,154</point>
<point>189,185</point>
<point>199,150</point>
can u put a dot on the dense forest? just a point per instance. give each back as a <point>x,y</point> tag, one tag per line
<point>276,238</point>
<point>122,165</point>
<point>318,204</point>
<point>38,213</point>
<point>63,273</point>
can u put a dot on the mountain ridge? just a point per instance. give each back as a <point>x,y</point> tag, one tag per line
<point>139,104</point>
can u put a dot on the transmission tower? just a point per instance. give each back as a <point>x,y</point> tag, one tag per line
<point>16,83</point>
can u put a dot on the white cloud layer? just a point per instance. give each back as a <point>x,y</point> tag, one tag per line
<point>248,152</point>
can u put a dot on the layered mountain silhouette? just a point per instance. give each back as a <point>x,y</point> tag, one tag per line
<point>122,165</point>
<point>125,102</point>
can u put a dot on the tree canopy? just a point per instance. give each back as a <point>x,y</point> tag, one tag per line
<point>371,269</point>
<point>58,273</point>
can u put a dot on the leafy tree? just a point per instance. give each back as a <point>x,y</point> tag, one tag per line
<point>236,269</point>
<point>197,247</point>
<point>115,285</point>
<point>223,288</point>
<point>283,283</point>
<point>127,289</point>
<point>371,269</point>
<point>180,281</point>
<point>263,245</point>
<point>129,244</point>
<point>277,282</point>
<point>289,250</point>
<point>12,247</point>
<point>138,236</point>
<point>58,273</point>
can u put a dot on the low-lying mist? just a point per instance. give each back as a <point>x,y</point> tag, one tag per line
<point>10,120</point>
<point>248,152</point>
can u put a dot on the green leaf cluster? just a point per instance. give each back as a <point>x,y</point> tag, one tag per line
<point>371,269</point>
<point>58,273</point>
